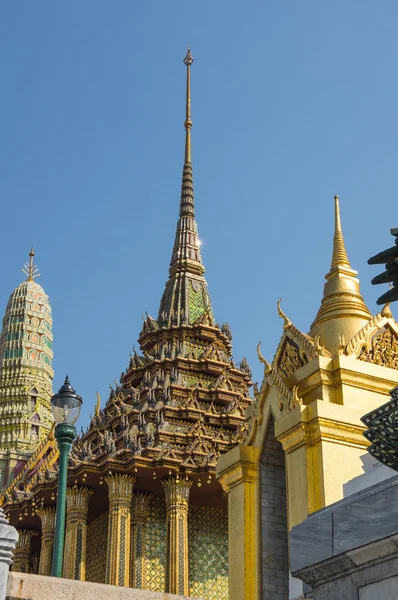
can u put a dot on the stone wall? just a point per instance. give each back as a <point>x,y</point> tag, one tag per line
<point>22,586</point>
<point>274,536</point>
<point>349,550</point>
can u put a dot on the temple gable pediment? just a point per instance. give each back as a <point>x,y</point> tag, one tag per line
<point>295,348</point>
<point>377,342</point>
<point>291,357</point>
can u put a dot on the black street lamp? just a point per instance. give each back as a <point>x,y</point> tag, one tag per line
<point>66,407</point>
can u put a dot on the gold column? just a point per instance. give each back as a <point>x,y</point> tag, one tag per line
<point>138,540</point>
<point>118,550</point>
<point>23,551</point>
<point>47,516</point>
<point>177,495</point>
<point>77,499</point>
<point>238,474</point>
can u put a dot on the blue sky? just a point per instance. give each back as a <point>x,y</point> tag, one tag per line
<point>292,102</point>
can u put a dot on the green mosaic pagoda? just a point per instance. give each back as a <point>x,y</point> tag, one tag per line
<point>25,374</point>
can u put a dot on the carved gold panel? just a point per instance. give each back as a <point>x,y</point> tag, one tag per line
<point>383,350</point>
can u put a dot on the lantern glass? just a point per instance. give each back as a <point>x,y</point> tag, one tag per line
<point>66,404</point>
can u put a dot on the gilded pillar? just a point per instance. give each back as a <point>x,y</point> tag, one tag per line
<point>77,499</point>
<point>120,489</point>
<point>177,496</point>
<point>23,559</point>
<point>47,516</point>
<point>138,539</point>
<point>237,471</point>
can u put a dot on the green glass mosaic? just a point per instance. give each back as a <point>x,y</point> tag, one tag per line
<point>208,552</point>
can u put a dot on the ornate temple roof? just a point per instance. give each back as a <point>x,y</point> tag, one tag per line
<point>342,312</point>
<point>181,402</point>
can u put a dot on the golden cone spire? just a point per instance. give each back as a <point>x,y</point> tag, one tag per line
<point>339,256</point>
<point>343,311</point>
<point>186,296</point>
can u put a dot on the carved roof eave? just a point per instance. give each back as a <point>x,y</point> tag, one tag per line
<point>288,399</point>
<point>363,338</point>
<point>123,461</point>
<point>308,346</point>
<point>48,443</point>
<point>197,328</point>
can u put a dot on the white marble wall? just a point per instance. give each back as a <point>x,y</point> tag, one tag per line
<point>383,590</point>
<point>373,472</point>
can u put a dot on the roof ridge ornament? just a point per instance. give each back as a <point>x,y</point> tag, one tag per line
<point>29,268</point>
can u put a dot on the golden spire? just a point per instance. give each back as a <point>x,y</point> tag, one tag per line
<point>343,311</point>
<point>29,268</point>
<point>186,270</point>
<point>339,256</point>
<point>188,60</point>
<point>187,201</point>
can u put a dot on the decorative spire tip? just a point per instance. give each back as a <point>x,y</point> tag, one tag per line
<point>29,268</point>
<point>188,60</point>
<point>339,257</point>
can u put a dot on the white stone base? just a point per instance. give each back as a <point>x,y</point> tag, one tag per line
<point>22,586</point>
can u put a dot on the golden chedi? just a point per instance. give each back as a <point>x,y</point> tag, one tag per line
<point>304,431</point>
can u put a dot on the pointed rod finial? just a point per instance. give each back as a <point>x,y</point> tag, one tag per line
<point>29,268</point>
<point>339,257</point>
<point>188,60</point>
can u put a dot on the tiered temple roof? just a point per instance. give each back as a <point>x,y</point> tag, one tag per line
<point>180,403</point>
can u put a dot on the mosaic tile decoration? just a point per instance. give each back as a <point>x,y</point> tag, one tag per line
<point>97,539</point>
<point>208,552</point>
<point>155,551</point>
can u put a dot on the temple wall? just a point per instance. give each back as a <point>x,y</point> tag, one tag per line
<point>208,552</point>
<point>207,556</point>
<point>155,548</point>
<point>97,537</point>
<point>274,536</point>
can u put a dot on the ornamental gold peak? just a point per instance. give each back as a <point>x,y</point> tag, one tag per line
<point>343,311</point>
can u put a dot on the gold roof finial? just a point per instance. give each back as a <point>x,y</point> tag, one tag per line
<point>339,256</point>
<point>98,405</point>
<point>342,311</point>
<point>188,60</point>
<point>29,268</point>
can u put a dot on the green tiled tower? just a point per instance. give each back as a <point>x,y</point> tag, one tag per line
<point>25,374</point>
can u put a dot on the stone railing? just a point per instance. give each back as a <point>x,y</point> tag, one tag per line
<point>22,586</point>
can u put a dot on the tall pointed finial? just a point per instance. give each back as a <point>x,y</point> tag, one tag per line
<point>343,311</point>
<point>339,256</point>
<point>98,405</point>
<point>188,60</point>
<point>187,201</point>
<point>29,268</point>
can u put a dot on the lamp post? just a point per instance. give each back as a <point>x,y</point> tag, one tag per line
<point>66,409</point>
